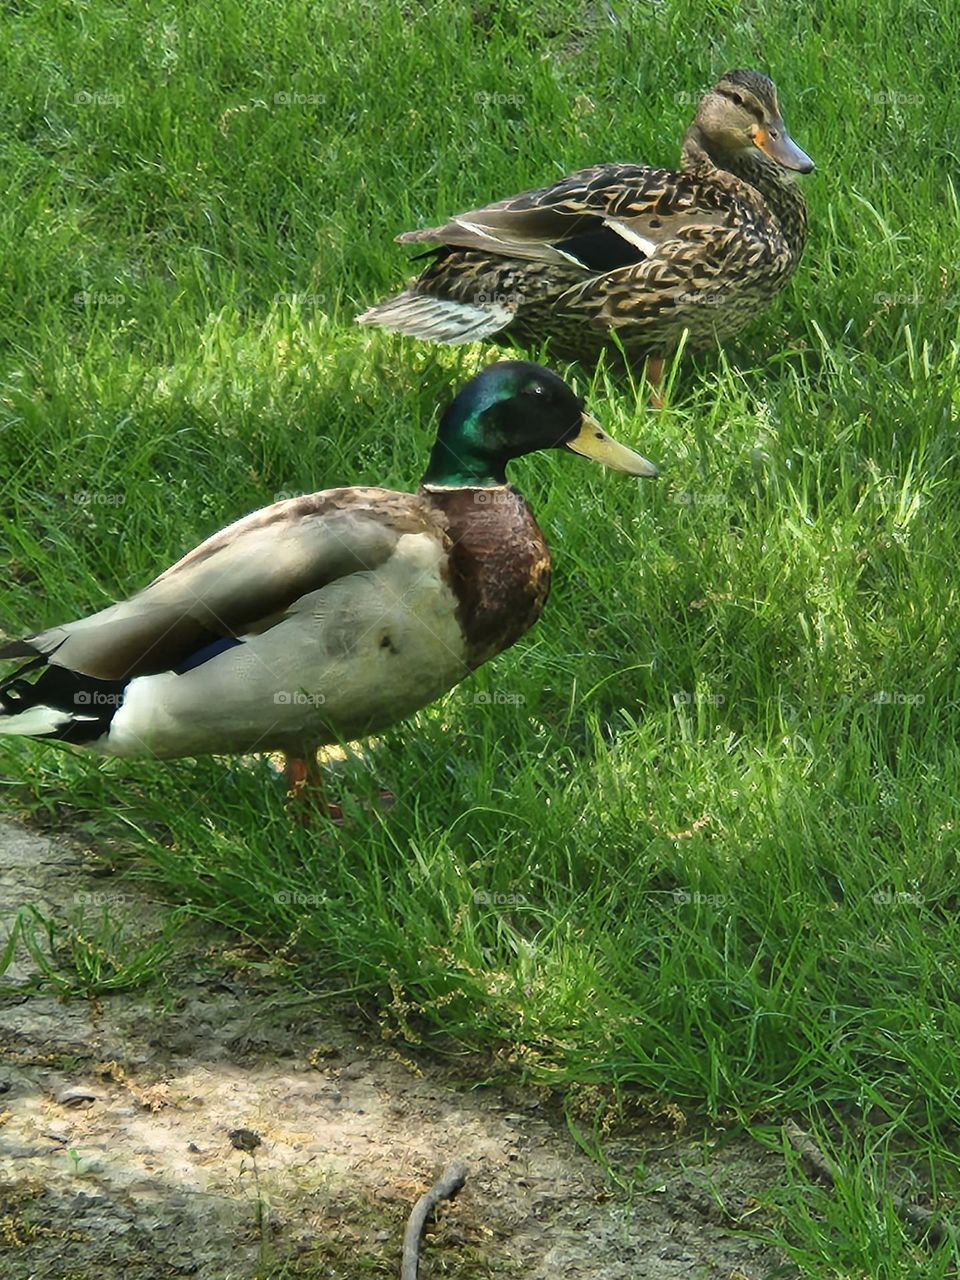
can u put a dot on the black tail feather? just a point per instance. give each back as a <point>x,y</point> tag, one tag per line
<point>91,703</point>
<point>17,649</point>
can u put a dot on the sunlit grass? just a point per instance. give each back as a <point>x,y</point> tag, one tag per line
<point>697,835</point>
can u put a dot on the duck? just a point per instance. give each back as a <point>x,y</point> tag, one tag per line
<point>321,618</point>
<point>625,256</point>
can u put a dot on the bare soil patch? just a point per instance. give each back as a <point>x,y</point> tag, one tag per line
<point>116,1159</point>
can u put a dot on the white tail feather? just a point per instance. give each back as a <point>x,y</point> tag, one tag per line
<point>439,319</point>
<point>36,721</point>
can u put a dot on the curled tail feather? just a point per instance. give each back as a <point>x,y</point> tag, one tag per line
<point>58,703</point>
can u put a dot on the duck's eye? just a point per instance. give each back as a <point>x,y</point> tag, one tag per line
<point>535,389</point>
<point>736,99</point>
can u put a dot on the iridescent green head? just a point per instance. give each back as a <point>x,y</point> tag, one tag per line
<point>510,409</point>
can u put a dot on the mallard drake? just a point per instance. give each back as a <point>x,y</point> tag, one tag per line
<point>322,618</point>
<point>624,253</point>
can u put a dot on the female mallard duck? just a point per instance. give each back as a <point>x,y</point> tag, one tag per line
<point>624,253</point>
<point>323,618</point>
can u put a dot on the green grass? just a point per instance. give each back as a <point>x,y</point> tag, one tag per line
<point>86,956</point>
<point>697,835</point>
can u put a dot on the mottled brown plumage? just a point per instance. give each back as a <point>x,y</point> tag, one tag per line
<point>625,253</point>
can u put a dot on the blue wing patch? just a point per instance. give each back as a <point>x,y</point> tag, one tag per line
<point>220,645</point>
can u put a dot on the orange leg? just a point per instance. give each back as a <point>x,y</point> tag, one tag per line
<point>296,770</point>
<point>306,791</point>
<point>655,375</point>
<point>305,788</point>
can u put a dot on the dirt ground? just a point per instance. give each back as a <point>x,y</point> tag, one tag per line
<point>116,1158</point>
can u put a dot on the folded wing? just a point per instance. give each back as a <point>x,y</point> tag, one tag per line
<point>239,582</point>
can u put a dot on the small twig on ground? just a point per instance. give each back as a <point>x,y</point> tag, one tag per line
<point>454,1176</point>
<point>935,1229</point>
<point>823,1170</point>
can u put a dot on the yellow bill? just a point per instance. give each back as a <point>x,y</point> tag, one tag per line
<point>591,441</point>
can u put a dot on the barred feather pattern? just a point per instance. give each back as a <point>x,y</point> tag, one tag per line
<point>618,253</point>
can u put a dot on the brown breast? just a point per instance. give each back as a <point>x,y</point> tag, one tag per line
<point>498,565</point>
